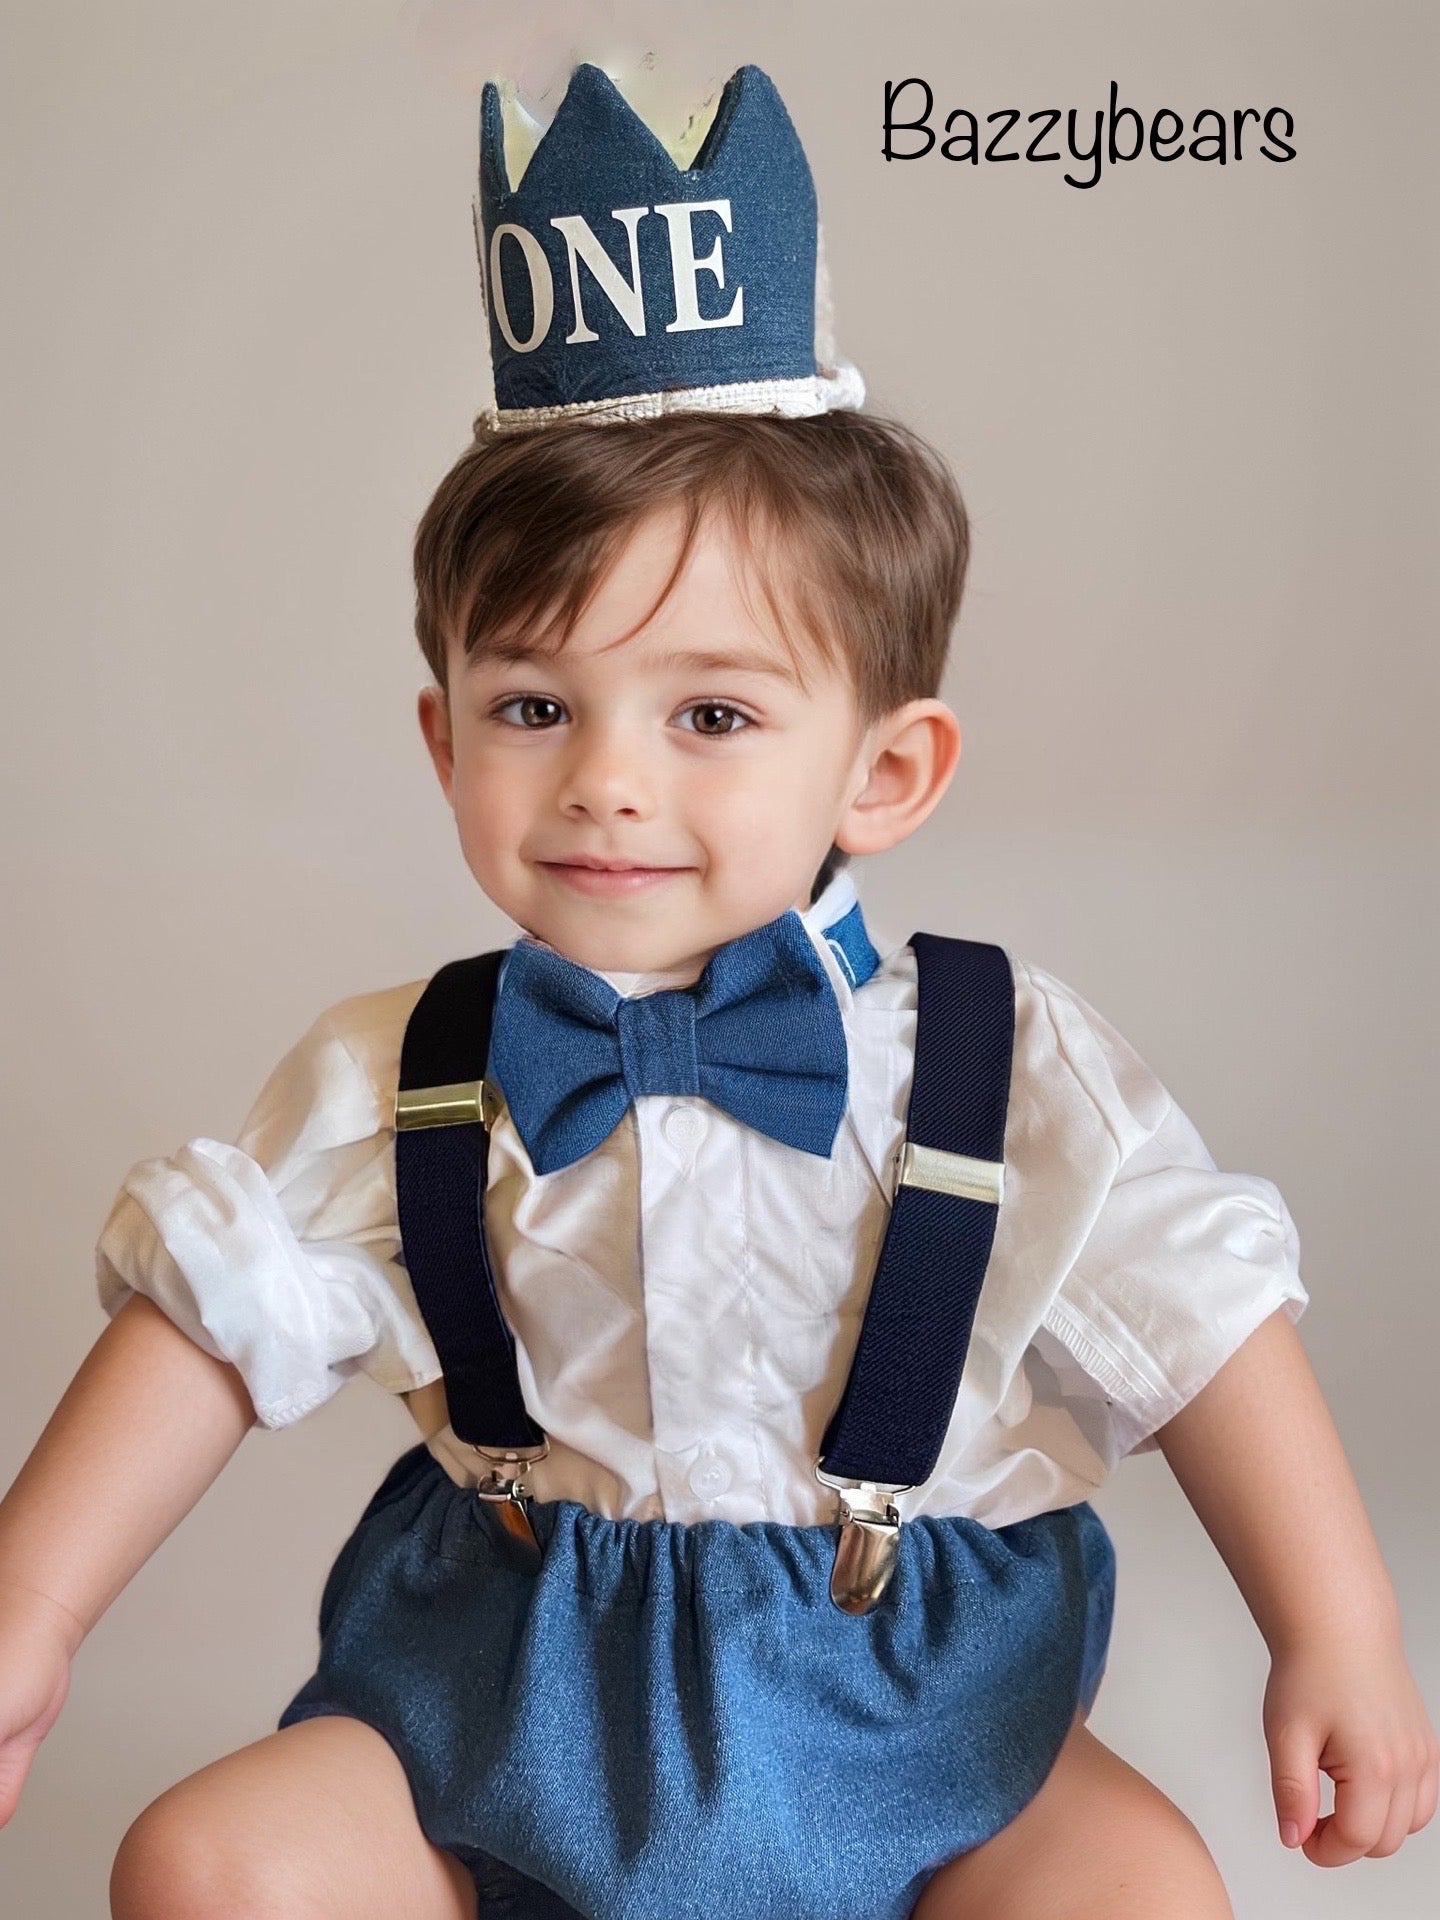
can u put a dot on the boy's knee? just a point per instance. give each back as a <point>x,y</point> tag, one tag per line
<point>175,1865</point>
<point>1165,1870</point>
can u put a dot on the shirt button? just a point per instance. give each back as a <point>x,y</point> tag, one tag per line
<point>710,1476</point>
<point>684,1128</point>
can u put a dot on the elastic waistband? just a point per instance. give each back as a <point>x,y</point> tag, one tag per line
<point>767,1556</point>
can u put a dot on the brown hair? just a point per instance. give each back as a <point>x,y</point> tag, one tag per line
<point>853,523</point>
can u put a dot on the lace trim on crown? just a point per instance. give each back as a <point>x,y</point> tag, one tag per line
<point>794,398</point>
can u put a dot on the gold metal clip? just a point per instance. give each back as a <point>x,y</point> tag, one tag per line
<point>869,1542</point>
<point>462,1104</point>
<point>509,1494</point>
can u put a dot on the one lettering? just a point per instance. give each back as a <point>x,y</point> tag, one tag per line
<point>684,266</point>
<point>542,287</point>
<point>581,244</point>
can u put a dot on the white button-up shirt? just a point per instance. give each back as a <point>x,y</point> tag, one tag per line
<point>686,1299</point>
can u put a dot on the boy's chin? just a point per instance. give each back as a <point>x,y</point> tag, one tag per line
<point>603,952</point>
<point>607,939</point>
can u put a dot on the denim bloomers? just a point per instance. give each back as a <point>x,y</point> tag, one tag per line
<point>674,1721</point>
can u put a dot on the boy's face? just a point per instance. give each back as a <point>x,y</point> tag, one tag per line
<point>637,805</point>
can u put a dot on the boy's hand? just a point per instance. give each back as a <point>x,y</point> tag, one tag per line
<point>1259,1459</point>
<point>37,1639</point>
<point>1348,1705</point>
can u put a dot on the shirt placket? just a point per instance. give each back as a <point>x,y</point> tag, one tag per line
<point>693,1271</point>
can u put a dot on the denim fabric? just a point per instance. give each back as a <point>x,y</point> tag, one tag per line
<point>596,158</point>
<point>759,1034</point>
<point>849,940</point>
<point>674,1722</point>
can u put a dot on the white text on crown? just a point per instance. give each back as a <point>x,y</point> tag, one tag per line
<point>627,298</point>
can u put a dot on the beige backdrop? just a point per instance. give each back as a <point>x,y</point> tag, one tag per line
<point>1193,414</point>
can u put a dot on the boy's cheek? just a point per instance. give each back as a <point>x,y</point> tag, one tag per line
<point>783,799</point>
<point>486,828</point>
<point>778,838</point>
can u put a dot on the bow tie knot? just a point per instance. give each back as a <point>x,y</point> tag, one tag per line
<point>759,1034</point>
<point>658,1052</point>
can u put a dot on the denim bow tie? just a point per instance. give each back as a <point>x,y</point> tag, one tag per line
<point>759,1034</point>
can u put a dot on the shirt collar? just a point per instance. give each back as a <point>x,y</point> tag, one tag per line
<point>836,925</point>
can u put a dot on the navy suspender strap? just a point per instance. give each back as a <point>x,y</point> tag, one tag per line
<point>443,1111</point>
<point>887,1431</point>
<point>885,1436</point>
<point>891,1420</point>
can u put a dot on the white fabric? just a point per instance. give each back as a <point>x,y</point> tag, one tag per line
<point>686,1299</point>
<point>842,386</point>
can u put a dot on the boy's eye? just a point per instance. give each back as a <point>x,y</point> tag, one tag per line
<point>718,718</point>
<point>529,705</point>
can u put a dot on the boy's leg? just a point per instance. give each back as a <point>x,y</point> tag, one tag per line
<point>315,1822</point>
<point>1098,1842</point>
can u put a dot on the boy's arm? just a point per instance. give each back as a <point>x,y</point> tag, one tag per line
<point>1258,1457</point>
<point>1260,1461</point>
<point>140,1433</point>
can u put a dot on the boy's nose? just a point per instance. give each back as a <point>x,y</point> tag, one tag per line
<point>605,778</point>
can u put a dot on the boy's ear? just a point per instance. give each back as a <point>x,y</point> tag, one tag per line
<point>434,711</point>
<point>906,762</point>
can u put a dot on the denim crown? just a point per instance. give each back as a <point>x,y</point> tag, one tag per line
<point>620,284</point>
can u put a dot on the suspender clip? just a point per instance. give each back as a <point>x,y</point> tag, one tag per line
<point>464,1103</point>
<point>509,1493</point>
<point>869,1542</point>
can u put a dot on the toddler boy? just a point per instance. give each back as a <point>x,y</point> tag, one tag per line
<point>687,609</point>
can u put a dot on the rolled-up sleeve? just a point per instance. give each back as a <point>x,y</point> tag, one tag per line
<point>1181,1261</point>
<point>280,1253</point>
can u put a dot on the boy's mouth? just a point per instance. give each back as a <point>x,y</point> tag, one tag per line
<point>593,876</point>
